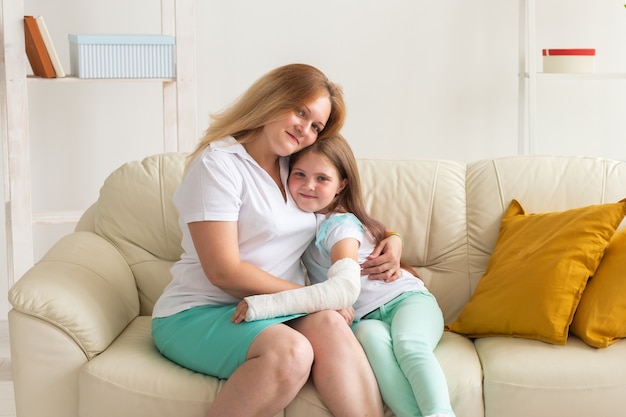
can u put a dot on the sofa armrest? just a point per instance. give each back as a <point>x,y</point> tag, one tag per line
<point>83,286</point>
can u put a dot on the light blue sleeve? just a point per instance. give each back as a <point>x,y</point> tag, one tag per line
<point>338,227</point>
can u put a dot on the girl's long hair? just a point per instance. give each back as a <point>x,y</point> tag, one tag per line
<point>270,98</point>
<point>336,150</point>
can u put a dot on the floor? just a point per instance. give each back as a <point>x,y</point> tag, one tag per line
<point>7,404</point>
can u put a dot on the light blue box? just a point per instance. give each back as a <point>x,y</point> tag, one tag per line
<point>122,56</point>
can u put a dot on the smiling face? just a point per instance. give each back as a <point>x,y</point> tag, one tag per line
<point>299,128</point>
<point>314,182</point>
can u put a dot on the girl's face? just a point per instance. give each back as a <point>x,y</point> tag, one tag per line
<point>299,128</point>
<point>314,182</point>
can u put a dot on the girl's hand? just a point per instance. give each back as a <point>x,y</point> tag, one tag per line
<point>384,262</point>
<point>240,312</point>
<point>348,314</point>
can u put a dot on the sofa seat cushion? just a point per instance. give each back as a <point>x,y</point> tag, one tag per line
<point>524,377</point>
<point>461,365</point>
<point>132,378</point>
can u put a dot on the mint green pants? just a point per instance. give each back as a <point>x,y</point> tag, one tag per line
<point>399,339</point>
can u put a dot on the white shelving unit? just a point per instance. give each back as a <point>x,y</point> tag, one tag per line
<point>179,119</point>
<point>529,73</point>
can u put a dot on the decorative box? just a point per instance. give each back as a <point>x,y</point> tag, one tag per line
<point>569,60</point>
<point>122,56</point>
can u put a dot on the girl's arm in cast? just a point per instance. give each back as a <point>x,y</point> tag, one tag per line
<point>338,292</point>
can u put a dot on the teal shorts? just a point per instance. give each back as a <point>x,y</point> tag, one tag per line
<point>204,339</point>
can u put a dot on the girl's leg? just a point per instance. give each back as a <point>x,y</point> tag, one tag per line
<point>276,367</point>
<point>416,328</point>
<point>375,337</point>
<point>341,372</point>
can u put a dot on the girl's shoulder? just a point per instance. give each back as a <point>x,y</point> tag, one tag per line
<point>337,225</point>
<point>341,219</point>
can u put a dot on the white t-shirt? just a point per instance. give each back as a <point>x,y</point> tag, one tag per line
<point>374,293</point>
<point>225,183</point>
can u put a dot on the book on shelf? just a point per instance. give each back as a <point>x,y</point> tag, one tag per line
<point>37,51</point>
<point>52,52</point>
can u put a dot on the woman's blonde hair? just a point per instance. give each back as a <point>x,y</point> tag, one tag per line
<point>270,98</point>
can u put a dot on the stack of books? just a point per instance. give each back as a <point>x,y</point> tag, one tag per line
<point>40,50</point>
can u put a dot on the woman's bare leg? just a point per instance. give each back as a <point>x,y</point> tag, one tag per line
<point>341,372</point>
<point>277,366</point>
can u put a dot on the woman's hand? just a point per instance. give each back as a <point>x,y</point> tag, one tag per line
<point>384,262</point>
<point>348,314</point>
<point>240,312</point>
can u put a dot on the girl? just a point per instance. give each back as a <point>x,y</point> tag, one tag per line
<point>242,234</point>
<point>399,323</point>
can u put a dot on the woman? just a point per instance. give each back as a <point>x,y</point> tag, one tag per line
<point>244,235</point>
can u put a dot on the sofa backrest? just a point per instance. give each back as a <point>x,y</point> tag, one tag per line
<point>135,212</point>
<point>448,212</point>
<point>540,184</point>
<point>425,201</point>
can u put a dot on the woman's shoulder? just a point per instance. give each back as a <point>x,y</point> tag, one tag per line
<point>223,148</point>
<point>224,152</point>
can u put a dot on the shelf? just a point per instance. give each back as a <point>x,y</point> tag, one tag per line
<point>57,217</point>
<point>531,78</point>
<point>573,76</point>
<point>72,79</point>
<point>179,119</point>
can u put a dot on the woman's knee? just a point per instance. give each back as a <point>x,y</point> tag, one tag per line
<point>285,350</point>
<point>326,322</point>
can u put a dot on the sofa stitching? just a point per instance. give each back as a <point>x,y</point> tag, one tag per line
<point>554,389</point>
<point>467,239</point>
<point>429,215</point>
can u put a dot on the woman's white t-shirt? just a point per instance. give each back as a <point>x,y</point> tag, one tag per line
<point>224,183</point>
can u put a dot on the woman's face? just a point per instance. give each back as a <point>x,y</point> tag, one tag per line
<point>299,128</point>
<point>314,182</point>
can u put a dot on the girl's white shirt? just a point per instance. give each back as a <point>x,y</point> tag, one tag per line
<point>374,293</point>
<point>224,183</point>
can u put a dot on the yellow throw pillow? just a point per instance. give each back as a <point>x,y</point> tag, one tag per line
<point>600,317</point>
<point>538,271</point>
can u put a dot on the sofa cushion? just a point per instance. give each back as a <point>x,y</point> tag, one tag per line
<point>461,365</point>
<point>132,378</point>
<point>425,202</point>
<point>599,319</point>
<point>135,212</point>
<point>542,183</point>
<point>83,286</point>
<point>525,378</point>
<point>538,271</point>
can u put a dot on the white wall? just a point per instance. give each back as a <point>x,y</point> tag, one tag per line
<point>583,117</point>
<point>422,79</point>
<point>429,79</point>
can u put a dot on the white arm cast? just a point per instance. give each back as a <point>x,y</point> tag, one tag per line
<point>340,290</point>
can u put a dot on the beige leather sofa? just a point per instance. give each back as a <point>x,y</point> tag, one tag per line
<point>80,323</point>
